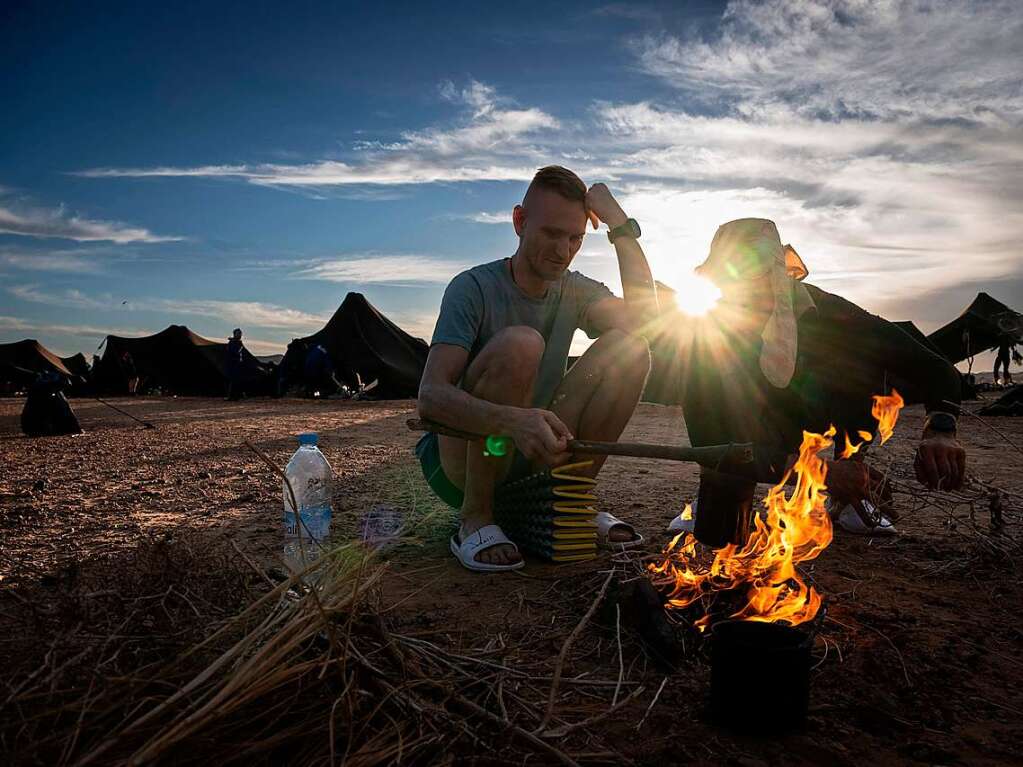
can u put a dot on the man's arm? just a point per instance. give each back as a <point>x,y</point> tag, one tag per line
<point>920,375</point>
<point>539,434</point>
<point>640,306</point>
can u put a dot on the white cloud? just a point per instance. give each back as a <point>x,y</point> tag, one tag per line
<point>20,325</point>
<point>418,324</point>
<point>934,59</point>
<point>883,137</point>
<point>498,217</point>
<point>68,262</point>
<point>489,144</point>
<point>382,270</point>
<point>70,299</point>
<point>57,222</point>
<point>246,313</point>
<point>252,313</point>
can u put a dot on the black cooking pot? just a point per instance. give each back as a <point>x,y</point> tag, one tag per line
<point>760,675</point>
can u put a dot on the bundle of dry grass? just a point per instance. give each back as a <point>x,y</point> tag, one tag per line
<point>299,676</point>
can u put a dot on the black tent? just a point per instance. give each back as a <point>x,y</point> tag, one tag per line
<point>22,361</point>
<point>177,361</point>
<point>908,326</point>
<point>361,340</point>
<point>983,325</point>
<point>81,373</point>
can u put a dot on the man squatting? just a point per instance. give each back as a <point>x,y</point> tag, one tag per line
<point>780,356</point>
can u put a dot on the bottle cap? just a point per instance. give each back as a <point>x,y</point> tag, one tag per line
<point>308,438</point>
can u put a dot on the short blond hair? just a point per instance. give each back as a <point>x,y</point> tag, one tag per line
<point>559,180</point>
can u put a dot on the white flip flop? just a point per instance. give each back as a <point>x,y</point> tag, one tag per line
<point>486,537</point>
<point>605,521</point>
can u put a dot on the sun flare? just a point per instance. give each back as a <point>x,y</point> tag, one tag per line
<point>695,295</point>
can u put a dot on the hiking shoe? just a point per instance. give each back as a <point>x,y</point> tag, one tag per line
<point>852,521</point>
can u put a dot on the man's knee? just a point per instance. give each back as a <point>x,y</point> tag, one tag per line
<point>513,355</point>
<point>629,350</point>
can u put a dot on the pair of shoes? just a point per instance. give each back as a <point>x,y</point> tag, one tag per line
<point>465,549</point>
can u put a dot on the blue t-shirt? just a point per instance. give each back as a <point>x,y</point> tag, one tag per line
<point>482,301</point>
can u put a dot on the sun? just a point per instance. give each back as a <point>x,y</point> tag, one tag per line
<point>695,295</point>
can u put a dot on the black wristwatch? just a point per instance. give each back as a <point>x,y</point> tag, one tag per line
<point>940,423</point>
<point>629,229</point>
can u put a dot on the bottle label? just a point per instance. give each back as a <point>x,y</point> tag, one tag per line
<point>315,523</point>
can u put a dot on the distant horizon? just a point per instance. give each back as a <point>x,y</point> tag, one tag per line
<point>242,166</point>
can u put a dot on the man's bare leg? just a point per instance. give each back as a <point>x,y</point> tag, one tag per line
<point>600,393</point>
<point>503,372</point>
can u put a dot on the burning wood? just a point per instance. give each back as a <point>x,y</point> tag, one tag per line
<point>796,528</point>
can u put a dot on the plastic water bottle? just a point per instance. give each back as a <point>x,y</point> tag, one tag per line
<point>310,478</point>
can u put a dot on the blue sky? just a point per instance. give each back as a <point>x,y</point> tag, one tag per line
<point>250,163</point>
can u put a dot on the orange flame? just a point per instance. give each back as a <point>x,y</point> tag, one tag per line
<point>886,411</point>
<point>795,528</point>
<point>850,449</point>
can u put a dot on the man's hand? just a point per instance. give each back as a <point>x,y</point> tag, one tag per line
<point>602,205</point>
<point>540,435</point>
<point>940,462</point>
<point>852,481</point>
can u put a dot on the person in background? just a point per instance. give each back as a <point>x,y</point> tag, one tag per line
<point>319,373</point>
<point>235,350</point>
<point>1006,351</point>
<point>130,373</point>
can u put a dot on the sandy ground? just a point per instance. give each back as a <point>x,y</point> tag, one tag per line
<point>920,657</point>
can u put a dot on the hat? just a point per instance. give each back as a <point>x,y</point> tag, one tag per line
<point>750,248</point>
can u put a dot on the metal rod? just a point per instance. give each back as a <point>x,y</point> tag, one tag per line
<point>712,456</point>
<point>122,412</point>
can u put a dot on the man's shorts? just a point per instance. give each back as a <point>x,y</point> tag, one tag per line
<point>428,452</point>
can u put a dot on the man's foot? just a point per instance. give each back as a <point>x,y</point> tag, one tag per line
<point>613,532</point>
<point>499,554</point>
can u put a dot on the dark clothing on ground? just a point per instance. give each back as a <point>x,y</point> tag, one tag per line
<point>844,356</point>
<point>47,412</point>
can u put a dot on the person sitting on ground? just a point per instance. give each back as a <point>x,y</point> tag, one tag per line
<point>235,365</point>
<point>777,356</point>
<point>47,413</point>
<point>318,372</point>
<point>497,362</point>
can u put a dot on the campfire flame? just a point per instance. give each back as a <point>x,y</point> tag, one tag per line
<point>795,529</point>
<point>886,411</point>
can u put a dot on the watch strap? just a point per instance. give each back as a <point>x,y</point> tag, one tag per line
<point>629,229</point>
